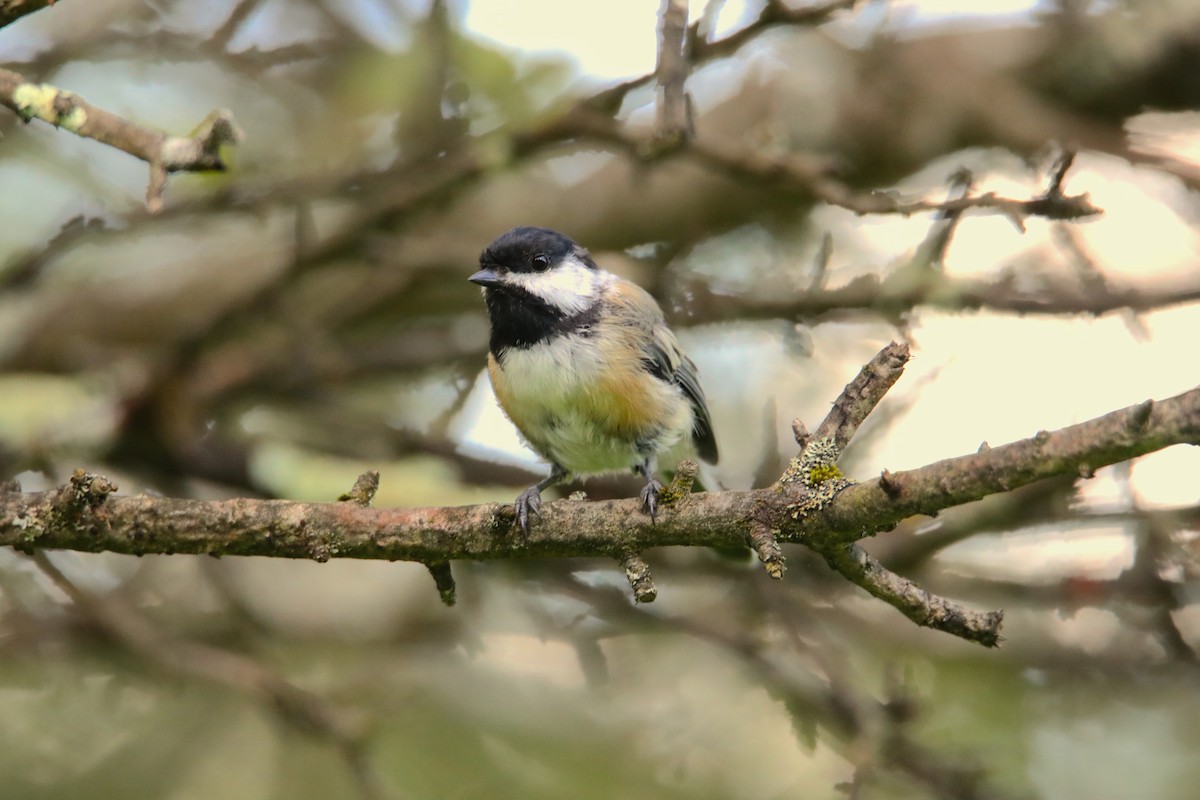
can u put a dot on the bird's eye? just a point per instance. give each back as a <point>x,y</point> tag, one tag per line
<point>539,262</point>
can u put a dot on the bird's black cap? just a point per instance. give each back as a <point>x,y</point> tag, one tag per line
<point>516,250</point>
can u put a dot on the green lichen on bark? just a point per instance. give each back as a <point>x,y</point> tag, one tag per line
<point>816,477</point>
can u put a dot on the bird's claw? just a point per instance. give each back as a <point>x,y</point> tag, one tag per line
<point>649,498</point>
<point>527,502</point>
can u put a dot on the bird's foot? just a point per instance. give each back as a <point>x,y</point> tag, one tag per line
<point>528,502</point>
<point>649,497</point>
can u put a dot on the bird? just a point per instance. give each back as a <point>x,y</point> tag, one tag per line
<point>584,365</point>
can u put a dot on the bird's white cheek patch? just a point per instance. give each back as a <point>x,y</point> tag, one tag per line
<point>571,287</point>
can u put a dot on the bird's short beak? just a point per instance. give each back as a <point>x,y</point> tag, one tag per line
<point>485,277</point>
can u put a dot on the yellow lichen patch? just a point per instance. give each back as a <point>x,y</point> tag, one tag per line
<point>74,120</point>
<point>824,472</point>
<point>35,100</point>
<point>45,102</point>
<point>818,476</point>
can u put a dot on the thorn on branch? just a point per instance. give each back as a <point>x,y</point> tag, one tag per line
<point>443,579</point>
<point>363,490</point>
<point>637,572</point>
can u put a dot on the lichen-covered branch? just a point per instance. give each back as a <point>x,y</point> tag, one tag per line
<point>85,516</point>
<point>815,473</point>
<point>1075,450</point>
<point>201,151</point>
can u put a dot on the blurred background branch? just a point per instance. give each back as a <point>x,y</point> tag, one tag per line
<point>13,10</point>
<point>1009,189</point>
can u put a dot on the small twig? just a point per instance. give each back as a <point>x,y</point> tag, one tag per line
<point>637,572</point>
<point>229,28</point>
<point>922,607</point>
<point>674,120</point>
<point>443,579</point>
<point>1053,203</point>
<point>932,251</point>
<point>800,433</point>
<point>774,13</point>
<point>814,176</point>
<point>800,171</point>
<point>201,151</point>
<point>764,543</point>
<point>681,484</point>
<point>821,263</point>
<point>862,394</point>
<point>1058,172</point>
<point>363,490</point>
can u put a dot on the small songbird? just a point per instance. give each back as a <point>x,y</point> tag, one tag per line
<point>584,365</point>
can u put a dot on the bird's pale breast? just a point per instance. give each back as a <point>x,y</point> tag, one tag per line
<point>588,408</point>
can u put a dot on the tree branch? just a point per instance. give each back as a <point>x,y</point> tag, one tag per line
<point>295,706</point>
<point>774,13</point>
<point>674,117</point>
<point>84,515</point>
<point>868,293</point>
<point>198,152</point>
<point>861,395</point>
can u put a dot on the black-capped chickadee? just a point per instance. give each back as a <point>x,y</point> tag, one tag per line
<point>584,365</point>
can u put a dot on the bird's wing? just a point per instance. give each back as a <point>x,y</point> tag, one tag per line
<point>669,363</point>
